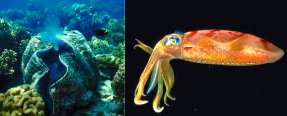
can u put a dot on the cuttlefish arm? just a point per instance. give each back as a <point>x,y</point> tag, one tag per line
<point>162,73</point>
<point>143,46</point>
<point>220,47</point>
<point>139,92</point>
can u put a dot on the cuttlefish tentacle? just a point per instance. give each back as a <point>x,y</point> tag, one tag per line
<point>139,92</point>
<point>154,77</point>
<point>143,46</point>
<point>168,79</point>
<point>162,73</point>
<point>156,101</point>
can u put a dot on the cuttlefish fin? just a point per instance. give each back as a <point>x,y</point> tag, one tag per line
<point>143,46</point>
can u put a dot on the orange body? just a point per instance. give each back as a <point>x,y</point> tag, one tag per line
<point>221,47</point>
<point>227,48</point>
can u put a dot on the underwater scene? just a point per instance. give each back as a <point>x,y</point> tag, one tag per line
<point>62,57</point>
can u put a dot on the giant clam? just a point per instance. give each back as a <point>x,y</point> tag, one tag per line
<point>63,70</point>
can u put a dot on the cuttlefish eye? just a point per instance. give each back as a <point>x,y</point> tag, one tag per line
<point>172,40</point>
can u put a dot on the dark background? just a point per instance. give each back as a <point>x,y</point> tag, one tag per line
<point>202,89</point>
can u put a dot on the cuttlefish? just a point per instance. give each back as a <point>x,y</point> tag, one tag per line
<point>219,47</point>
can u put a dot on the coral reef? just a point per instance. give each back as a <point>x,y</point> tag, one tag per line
<point>109,63</point>
<point>11,35</point>
<point>108,60</point>
<point>114,90</point>
<point>85,19</point>
<point>116,31</point>
<point>19,33</point>
<point>100,46</point>
<point>119,51</point>
<point>118,84</point>
<point>111,90</point>
<point>106,91</point>
<point>111,60</point>
<point>109,50</point>
<point>114,7</point>
<point>119,77</point>
<point>102,109</point>
<point>76,16</point>
<point>4,30</point>
<point>7,62</point>
<point>11,49</point>
<point>23,45</point>
<point>112,41</point>
<point>21,100</point>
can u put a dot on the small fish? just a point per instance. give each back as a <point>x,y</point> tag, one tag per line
<point>219,47</point>
<point>101,32</point>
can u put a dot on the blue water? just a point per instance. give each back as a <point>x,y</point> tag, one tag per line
<point>16,4</point>
<point>36,15</point>
<point>22,4</point>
